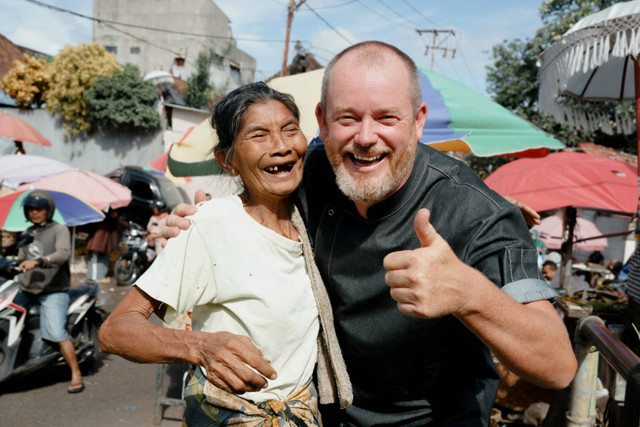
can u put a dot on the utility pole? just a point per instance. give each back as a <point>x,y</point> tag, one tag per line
<point>292,8</point>
<point>435,47</point>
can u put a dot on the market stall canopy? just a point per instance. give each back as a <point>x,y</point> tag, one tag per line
<point>69,210</point>
<point>569,179</point>
<point>158,77</point>
<point>15,128</point>
<point>16,169</point>
<point>97,190</point>
<point>595,60</point>
<point>551,228</point>
<point>458,119</point>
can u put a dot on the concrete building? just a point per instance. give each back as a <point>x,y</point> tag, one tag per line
<point>168,35</point>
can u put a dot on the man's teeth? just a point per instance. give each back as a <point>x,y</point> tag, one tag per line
<point>366,159</point>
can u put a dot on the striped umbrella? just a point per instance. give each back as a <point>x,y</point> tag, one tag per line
<point>69,210</point>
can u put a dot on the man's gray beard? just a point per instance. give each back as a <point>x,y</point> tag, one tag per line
<point>370,192</point>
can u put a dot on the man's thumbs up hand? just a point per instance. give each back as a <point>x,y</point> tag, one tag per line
<point>426,281</point>
<point>424,230</point>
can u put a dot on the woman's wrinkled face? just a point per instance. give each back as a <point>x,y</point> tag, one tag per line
<point>269,151</point>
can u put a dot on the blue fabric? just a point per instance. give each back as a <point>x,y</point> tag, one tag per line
<point>53,313</point>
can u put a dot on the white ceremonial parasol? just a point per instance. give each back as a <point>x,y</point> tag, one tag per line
<point>596,60</point>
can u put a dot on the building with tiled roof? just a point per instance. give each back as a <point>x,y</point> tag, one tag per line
<point>9,52</point>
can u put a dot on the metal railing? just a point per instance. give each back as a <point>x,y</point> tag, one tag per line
<point>592,338</point>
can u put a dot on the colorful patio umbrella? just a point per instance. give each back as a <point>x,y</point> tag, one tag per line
<point>98,190</point>
<point>69,210</point>
<point>550,232</point>
<point>16,169</point>
<point>15,128</point>
<point>458,119</point>
<point>569,179</point>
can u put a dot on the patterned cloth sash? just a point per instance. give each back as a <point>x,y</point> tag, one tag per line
<point>208,405</point>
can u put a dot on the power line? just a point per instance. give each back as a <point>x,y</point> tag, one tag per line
<point>377,13</point>
<point>397,14</point>
<point>419,13</point>
<point>328,24</point>
<point>464,60</point>
<point>336,5</point>
<point>144,27</point>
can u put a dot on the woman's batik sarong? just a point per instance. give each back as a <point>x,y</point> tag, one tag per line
<point>207,405</point>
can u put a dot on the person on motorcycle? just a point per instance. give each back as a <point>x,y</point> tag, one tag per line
<point>46,277</point>
<point>154,227</point>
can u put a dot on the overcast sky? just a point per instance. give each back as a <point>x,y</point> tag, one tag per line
<point>325,29</point>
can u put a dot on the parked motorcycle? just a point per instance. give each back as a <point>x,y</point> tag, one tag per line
<point>21,348</point>
<point>131,264</point>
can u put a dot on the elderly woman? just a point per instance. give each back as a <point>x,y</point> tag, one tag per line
<point>246,268</point>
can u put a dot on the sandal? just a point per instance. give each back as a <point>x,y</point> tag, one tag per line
<point>75,387</point>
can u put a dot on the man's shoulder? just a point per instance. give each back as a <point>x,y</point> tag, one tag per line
<point>446,174</point>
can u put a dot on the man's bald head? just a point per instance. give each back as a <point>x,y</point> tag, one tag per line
<point>376,54</point>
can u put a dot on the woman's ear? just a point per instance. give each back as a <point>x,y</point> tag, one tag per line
<point>221,158</point>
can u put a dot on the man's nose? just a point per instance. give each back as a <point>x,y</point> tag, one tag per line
<point>366,133</point>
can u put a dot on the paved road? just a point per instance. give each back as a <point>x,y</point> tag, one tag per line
<point>117,392</point>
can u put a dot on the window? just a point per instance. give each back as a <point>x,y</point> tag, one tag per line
<point>134,50</point>
<point>142,190</point>
<point>234,73</point>
<point>112,49</point>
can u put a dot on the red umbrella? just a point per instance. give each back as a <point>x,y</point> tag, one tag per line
<point>569,179</point>
<point>19,130</point>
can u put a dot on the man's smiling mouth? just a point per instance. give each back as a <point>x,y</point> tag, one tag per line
<point>362,160</point>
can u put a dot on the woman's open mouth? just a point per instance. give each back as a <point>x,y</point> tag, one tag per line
<point>280,169</point>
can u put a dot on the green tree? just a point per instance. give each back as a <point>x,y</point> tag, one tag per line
<point>71,73</point>
<point>27,82</point>
<point>199,90</point>
<point>512,78</point>
<point>122,101</point>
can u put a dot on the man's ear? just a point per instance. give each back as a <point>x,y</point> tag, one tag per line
<point>322,124</point>
<point>221,158</point>
<point>420,119</point>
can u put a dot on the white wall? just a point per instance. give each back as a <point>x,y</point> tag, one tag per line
<point>100,152</point>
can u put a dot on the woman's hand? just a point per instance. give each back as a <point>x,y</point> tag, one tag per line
<point>234,364</point>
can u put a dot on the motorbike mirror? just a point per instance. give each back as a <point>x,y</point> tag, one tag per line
<point>25,239</point>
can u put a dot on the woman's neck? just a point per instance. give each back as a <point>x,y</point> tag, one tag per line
<point>274,214</point>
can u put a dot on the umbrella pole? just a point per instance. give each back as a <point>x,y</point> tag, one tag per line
<point>636,78</point>
<point>569,223</point>
<point>73,243</point>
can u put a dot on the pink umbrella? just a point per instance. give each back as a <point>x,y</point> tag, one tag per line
<point>16,169</point>
<point>19,130</point>
<point>550,232</point>
<point>98,190</point>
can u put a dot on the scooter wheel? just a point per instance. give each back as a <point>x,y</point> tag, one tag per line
<point>126,271</point>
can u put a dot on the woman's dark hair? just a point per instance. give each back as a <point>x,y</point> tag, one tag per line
<point>229,112</point>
